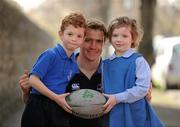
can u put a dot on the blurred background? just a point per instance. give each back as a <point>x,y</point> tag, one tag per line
<point>27,27</point>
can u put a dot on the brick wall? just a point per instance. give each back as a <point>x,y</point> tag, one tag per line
<point>21,41</point>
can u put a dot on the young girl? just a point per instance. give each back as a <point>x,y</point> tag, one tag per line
<point>126,78</point>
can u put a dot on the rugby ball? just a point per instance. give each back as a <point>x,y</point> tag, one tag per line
<point>86,103</point>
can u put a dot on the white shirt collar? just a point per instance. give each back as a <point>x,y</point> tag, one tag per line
<point>127,54</point>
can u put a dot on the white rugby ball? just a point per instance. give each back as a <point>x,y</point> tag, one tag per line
<point>86,103</point>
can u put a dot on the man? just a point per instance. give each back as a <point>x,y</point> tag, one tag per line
<point>89,75</point>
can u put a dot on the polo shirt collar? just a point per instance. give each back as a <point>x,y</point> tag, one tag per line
<point>63,54</point>
<point>127,54</point>
<point>99,66</point>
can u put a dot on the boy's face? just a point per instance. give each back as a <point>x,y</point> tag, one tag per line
<point>72,37</point>
<point>121,39</point>
<point>93,44</point>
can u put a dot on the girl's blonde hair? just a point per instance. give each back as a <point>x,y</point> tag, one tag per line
<point>136,32</point>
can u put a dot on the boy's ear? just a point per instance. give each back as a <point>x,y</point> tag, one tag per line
<point>60,33</point>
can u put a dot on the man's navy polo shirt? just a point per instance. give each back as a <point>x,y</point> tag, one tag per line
<point>55,69</point>
<point>81,81</point>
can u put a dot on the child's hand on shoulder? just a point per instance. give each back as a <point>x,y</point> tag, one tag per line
<point>110,103</point>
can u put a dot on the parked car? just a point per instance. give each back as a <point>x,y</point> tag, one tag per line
<point>166,69</point>
<point>173,70</point>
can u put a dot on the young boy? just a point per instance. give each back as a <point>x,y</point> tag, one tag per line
<point>50,75</point>
<point>126,78</point>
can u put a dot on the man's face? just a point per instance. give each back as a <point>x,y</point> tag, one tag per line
<point>92,47</point>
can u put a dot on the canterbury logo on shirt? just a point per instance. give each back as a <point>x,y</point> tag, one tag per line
<point>75,86</point>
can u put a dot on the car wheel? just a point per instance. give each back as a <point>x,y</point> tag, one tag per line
<point>171,86</point>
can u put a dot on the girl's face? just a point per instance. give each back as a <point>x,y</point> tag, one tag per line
<point>121,39</point>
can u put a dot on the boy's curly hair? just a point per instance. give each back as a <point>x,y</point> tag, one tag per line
<point>75,19</point>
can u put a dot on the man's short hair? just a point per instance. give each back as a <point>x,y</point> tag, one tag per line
<point>96,24</point>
